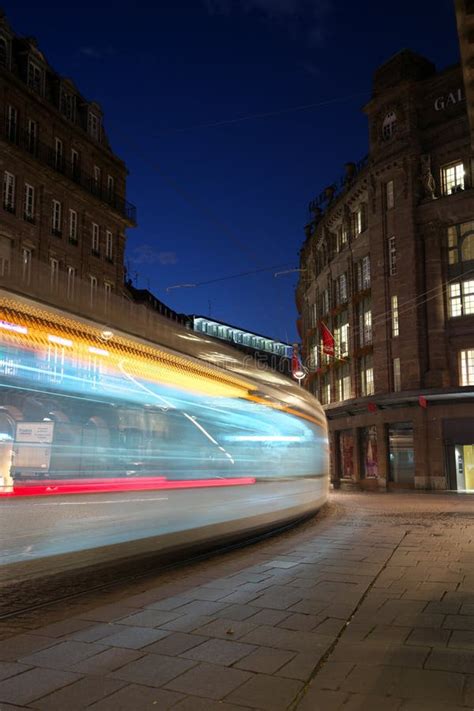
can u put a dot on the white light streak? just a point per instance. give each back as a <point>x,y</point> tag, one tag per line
<point>60,341</point>
<point>264,438</point>
<point>98,351</point>
<point>13,327</point>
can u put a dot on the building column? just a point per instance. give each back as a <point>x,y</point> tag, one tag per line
<point>437,374</point>
<point>382,455</point>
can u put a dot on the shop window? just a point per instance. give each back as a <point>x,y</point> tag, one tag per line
<point>346,454</point>
<point>452,178</point>
<point>401,453</point>
<point>369,453</point>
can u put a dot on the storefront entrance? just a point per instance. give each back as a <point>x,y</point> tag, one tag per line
<point>459,444</point>
<point>464,457</point>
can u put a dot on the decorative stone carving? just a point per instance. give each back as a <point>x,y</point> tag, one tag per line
<point>329,193</point>
<point>428,183</point>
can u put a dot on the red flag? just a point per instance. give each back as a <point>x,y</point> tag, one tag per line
<point>372,407</point>
<point>328,339</point>
<point>422,401</point>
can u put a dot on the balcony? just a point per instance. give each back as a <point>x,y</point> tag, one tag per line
<point>46,154</point>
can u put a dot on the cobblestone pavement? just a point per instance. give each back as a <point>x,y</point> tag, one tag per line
<point>370,605</point>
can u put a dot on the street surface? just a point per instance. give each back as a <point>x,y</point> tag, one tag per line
<point>369,605</point>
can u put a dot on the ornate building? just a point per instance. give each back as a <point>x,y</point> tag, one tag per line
<point>388,267</point>
<point>63,213</point>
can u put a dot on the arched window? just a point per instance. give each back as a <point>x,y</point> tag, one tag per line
<point>389,125</point>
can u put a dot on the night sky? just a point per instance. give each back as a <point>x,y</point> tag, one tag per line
<point>221,186</point>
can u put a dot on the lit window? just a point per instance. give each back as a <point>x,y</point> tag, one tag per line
<point>389,125</point>
<point>341,289</point>
<point>395,322</point>
<point>325,302</point>
<point>363,273</point>
<point>341,335</point>
<point>325,389</point>
<point>109,245</point>
<point>358,221</point>
<point>95,239</point>
<point>389,195</point>
<point>35,77</point>
<point>29,205</point>
<point>93,125</point>
<point>9,192</point>
<point>26,259</point>
<point>343,383</point>
<point>365,323</point>
<point>467,367</point>
<point>56,219</point>
<point>392,256</point>
<point>461,298</point>
<point>72,226</point>
<point>396,375</point>
<point>366,372</point>
<point>461,243</point>
<point>452,178</point>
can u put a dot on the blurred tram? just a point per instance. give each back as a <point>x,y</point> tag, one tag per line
<point>86,408</point>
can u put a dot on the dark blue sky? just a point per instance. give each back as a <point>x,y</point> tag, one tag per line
<point>217,200</point>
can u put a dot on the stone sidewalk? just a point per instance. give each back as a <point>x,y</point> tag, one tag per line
<point>370,605</point>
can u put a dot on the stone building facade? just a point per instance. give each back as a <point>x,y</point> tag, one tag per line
<point>63,211</point>
<point>388,268</point>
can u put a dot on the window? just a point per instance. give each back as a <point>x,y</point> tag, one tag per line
<point>461,243</point>
<point>54,274</point>
<point>56,221</point>
<point>341,289</point>
<point>12,124</point>
<point>71,282</point>
<point>325,389</point>
<point>343,383</point>
<point>389,125</point>
<point>365,323</point>
<point>67,105</point>
<point>108,293</point>
<point>358,220</point>
<point>72,226</point>
<point>93,125</point>
<point>452,178</point>
<point>109,245</point>
<point>396,375</point>
<point>74,163</point>
<point>97,179</point>
<point>467,367</point>
<point>110,188</point>
<point>26,259</point>
<point>35,77</point>
<point>58,154</point>
<point>32,136</point>
<point>389,195</point>
<point>4,52</point>
<point>92,289</point>
<point>29,206</point>
<point>325,302</point>
<point>392,256</point>
<point>461,298</point>
<point>363,273</point>
<point>341,335</point>
<point>366,373</point>
<point>9,192</point>
<point>95,239</point>
<point>395,323</point>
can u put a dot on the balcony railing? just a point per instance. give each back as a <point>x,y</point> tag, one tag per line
<point>47,155</point>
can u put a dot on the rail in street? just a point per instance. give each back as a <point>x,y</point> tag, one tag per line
<point>369,605</point>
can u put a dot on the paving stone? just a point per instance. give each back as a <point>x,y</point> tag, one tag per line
<point>226,629</point>
<point>16,647</point>
<point>33,684</point>
<point>321,700</point>
<point>135,697</point>
<point>268,617</point>
<point>236,612</point>
<point>285,639</point>
<point>209,681</point>
<point>429,637</point>
<point>332,674</point>
<point>106,613</point>
<point>364,702</point>
<point>266,692</point>
<point>417,705</point>
<point>175,643</point>
<point>62,628</point>
<point>93,633</point>
<point>439,686</point>
<point>107,661</point>
<point>302,665</point>
<point>153,670</point>
<point>219,651</point>
<point>171,603</point>
<point>455,660</point>
<point>265,660</point>
<point>133,637</point>
<point>298,621</point>
<point>63,655</point>
<point>80,694</point>
<point>459,622</point>
<point>386,633</point>
<point>381,653</point>
<point>195,703</point>
<point>187,623</point>
<point>8,669</point>
<point>459,638</point>
<point>201,607</point>
<point>149,618</point>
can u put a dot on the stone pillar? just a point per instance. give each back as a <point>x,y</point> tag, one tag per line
<point>382,456</point>
<point>437,375</point>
